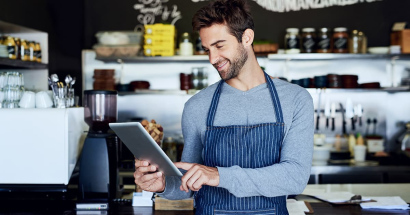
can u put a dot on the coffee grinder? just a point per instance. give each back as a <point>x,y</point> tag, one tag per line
<point>99,160</point>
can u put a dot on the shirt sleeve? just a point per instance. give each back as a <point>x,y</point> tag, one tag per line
<point>192,153</point>
<point>291,174</point>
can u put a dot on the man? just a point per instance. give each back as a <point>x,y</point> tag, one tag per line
<point>248,138</point>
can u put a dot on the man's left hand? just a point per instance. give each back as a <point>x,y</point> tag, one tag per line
<point>197,175</point>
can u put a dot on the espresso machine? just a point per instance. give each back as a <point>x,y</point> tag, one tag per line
<point>99,159</point>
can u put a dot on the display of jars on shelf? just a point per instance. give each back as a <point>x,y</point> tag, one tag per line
<point>20,49</point>
<point>325,41</point>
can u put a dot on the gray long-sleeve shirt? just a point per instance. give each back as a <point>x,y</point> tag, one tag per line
<point>254,106</point>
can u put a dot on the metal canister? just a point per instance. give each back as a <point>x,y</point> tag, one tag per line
<point>11,47</point>
<point>31,47</point>
<point>37,52</point>
<point>24,50</point>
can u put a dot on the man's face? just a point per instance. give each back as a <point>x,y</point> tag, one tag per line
<point>225,53</point>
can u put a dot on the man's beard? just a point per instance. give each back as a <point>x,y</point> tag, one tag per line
<point>235,65</point>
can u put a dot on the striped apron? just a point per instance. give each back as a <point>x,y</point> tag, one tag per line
<point>247,146</point>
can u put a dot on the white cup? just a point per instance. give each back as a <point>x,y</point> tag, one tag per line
<point>28,100</point>
<point>360,153</point>
<point>43,100</point>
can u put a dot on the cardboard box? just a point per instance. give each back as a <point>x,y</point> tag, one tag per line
<point>401,38</point>
<point>165,204</point>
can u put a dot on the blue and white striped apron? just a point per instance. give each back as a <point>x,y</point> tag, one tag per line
<point>247,146</point>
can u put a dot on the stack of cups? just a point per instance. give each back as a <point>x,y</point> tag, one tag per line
<point>11,89</point>
<point>35,100</point>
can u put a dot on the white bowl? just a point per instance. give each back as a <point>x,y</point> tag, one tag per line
<point>378,50</point>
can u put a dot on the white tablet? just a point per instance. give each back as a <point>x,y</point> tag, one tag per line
<point>144,147</point>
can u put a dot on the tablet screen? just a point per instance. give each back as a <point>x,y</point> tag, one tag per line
<point>144,147</point>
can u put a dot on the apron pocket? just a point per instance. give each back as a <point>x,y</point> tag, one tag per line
<point>271,211</point>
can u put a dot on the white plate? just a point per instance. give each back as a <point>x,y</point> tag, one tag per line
<point>378,50</point>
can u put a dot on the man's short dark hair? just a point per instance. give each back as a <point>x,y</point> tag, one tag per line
<point>234,13</point>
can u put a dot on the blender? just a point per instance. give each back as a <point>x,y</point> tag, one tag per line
<point>99,160</point>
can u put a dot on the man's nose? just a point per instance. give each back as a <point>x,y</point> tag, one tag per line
<point>213,57</point>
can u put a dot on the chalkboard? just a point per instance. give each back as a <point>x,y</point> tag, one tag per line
<point>374,17</point>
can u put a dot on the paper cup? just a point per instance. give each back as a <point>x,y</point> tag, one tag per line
<point>360,153</point>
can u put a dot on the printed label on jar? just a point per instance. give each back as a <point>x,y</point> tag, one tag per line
<point>292,43</point>
<point>38,54</point>
<point>308,44</point>
<point>340,43</point>
<point>11,50</point>
<point>324,44</point>
<point>27,52</point>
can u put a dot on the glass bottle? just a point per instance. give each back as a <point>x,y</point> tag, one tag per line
<point>185,45</point>
<point>292,41</point>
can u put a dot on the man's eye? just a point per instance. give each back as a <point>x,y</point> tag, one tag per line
<point>219,47</point>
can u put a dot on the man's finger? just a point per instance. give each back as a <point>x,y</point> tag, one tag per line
<point>139,163</point>
<point>149,177</point>
<point>147,169</point>
<point>184,165</point>
<point>194,179</point>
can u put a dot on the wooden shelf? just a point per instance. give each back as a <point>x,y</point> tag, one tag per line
<point>333,56</point>
<point>19,64</point>
<point>293,57</point>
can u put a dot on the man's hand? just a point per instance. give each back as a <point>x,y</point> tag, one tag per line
<point>146,177</point>
<point>197,175</point>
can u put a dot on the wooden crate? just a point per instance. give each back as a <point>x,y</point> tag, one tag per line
<point>165,204</point>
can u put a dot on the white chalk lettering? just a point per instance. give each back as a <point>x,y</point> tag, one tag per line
<point>150,9</point>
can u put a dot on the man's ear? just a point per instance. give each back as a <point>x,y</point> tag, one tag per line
<point>247,37</point>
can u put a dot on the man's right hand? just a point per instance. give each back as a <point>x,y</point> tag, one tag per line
<point>147,178</point>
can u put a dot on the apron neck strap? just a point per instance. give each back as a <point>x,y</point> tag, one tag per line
<point>217,94</point>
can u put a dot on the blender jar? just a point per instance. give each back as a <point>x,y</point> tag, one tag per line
<point>100,109</point>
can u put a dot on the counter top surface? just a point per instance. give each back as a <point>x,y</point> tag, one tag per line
<point>40,206</point>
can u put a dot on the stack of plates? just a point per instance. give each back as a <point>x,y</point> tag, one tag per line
<point>334,81</point>
<point>3,51</point>
<point>350,81</point>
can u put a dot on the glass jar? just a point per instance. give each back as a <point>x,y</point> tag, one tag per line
<point>292,41</point>
<point>355,42</point>
<point>37,51</point>
<point>11,47</point>
<point>363,38</point>
<point>186,47</point>
<point>24,51</point>
<point>31,47</point>
<point>308,40</point>
<point>324,42</point>
<point>340,40</point>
